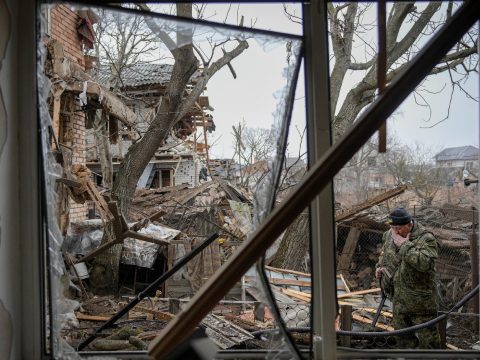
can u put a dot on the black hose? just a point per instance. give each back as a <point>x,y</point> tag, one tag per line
<point>403,331</point>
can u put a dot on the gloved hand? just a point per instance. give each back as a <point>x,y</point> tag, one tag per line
<point>398,240</point>
<point>378,272</point>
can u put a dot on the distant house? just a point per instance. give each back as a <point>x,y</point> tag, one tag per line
<point>463,157</point>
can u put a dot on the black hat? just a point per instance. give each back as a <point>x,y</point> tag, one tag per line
<point>399,216</point>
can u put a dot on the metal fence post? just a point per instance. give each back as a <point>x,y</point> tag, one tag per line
<point>346,324</point>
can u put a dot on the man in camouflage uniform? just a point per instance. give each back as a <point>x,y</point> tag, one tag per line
<point>406,269</point>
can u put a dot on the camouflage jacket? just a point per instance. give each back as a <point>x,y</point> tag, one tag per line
<point>412,270</point>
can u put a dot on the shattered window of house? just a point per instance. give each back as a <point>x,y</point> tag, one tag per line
<point>163,135</point>
<point>407,219</point>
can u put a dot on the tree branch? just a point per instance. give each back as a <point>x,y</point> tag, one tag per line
<point>164,37</point>
<point>412,35</point>
<point>206,75</point>
<point>362,66</point>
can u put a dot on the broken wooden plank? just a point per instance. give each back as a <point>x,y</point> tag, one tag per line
<point>368,321</point>
<point>99,201</point>
<point>296,294</point>
<point>142,237</point>
<point>371,202</point>
<point>57,91</point>
<point>349,249</point>
<point>277,281</point>
<point>159,315</point>
<point>81,316</point>
<point>372,311</point>
<point>286,271</point>
<point>360,292</point>
<point>307,297</point>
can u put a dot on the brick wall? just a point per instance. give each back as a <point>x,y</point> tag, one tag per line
<point>187,173</point>
<point>63,28</point>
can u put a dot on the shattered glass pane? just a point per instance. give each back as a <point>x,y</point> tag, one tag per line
<point>159,132</point>
<point>432,149</point>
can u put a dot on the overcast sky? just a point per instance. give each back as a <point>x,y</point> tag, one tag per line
<point>409,123</point>
<point>251,97</point>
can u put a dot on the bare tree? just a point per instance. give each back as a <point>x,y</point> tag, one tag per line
<point>175,104</point>
<point>254,147</point>
<point>415,167</point>
<point>409,24</point>
<point>121,42</point>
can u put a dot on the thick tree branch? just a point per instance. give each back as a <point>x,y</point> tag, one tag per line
<point>399,12</point>
<point>412,35</point>
<point>164,37</point>
<point>189,102</point>
<point>362,66</point>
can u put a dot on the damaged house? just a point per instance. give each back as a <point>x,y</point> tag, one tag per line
<point>180,159</point>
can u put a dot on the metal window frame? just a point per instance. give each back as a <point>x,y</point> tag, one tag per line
<point>316,180</point>
<point>328,162</point>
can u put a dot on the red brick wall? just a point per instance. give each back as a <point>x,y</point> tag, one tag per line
<point>63,28</point>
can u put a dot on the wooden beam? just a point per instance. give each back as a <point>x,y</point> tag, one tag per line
<point>368,321</point>
<point>297,294</point>
<point>81,316</point>
<point>57,91</point>
<point>360,292</point>
<point>286,271</point>
<point>349,249</point>
<point>159,315</point>
<point>75,77</point>
<point>277,281</point>
<point>371,202</point>
<point>146,238</point>
<point>110,102</point>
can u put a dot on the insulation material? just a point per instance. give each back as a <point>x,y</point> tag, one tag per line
<point>83,237</point>
<point>144,254</point>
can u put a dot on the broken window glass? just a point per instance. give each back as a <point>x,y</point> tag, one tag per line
<point>430,139</point>
<point>160,134</point>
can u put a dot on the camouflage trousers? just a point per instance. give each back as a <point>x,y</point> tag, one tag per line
<point>427,338</point>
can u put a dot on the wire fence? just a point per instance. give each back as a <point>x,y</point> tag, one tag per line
<point>359,243</point>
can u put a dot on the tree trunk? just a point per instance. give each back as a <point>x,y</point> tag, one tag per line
<point>103,147</point>
<point>174,105</point>
<point>294,246</point>
<point>104,275</point>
